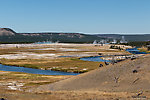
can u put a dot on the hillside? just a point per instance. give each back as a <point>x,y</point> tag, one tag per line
<point>126,76</point>
<point>6,32</point>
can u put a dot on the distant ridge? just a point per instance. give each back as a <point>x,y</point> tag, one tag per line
<point>6,32</point>
<point>7,35</point>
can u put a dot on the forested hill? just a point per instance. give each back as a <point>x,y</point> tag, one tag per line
<point>128,37</point>
<point>7,35</point>
<point>13,37</point>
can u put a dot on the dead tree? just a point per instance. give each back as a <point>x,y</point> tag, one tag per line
<point>113,60</point>
<point>116,79</point>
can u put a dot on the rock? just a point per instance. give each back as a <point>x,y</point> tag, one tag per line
<point>101,65</point>
<point>135,71</point>
<point>133,58</point>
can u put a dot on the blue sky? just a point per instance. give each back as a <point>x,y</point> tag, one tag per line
<point>87,16</point>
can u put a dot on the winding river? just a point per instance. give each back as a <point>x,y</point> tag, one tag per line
<point>49,72</point>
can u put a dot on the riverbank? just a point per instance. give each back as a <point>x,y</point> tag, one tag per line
<point>19,81</point>
<point>120,57</point>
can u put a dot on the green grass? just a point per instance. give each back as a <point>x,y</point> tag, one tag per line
<point>39,83</point>
<point>144,50</point>
<point>75,59</point>
<point>31,66</point>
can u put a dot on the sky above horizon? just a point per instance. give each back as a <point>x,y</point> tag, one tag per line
<point>86,16</point>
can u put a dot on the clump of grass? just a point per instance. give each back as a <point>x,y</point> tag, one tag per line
<point>39,83</point>
<point>144,50</point>
<point>80,71</point>
<point>74,59</point>
<point>31,76</point>
<point>30,66</point>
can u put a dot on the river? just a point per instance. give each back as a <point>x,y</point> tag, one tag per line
<point>33,71</point>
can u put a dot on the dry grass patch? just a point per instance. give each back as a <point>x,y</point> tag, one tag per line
<point>28,80</point>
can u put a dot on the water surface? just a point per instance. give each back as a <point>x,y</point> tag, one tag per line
<point>94,59</point>
<point>33,71</point>
<point>135,51</point>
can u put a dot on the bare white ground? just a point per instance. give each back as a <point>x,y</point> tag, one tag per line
<point>27,55</point>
